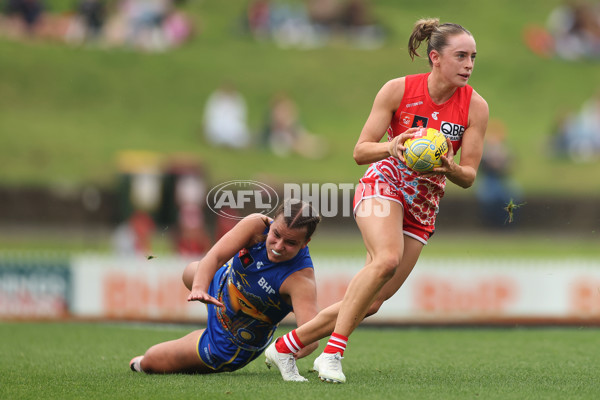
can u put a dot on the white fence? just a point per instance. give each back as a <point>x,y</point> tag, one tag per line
<point>437,292</point>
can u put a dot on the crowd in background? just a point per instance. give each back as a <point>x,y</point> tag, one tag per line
<point>313,23</point>
<point>576,134</point>
<point>149,25</point>
<point>156,25</point>
<point>572,32</point>
<point>225,123</point>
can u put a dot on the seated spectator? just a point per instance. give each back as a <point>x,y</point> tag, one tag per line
<point>572,32</point>
<point>25,16</point>
<point>284,134</point>
<point>576,135</point>
<point>87,24</point>
<point>225,116</point>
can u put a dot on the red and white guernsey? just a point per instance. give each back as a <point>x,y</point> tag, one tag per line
<point>421,194</point>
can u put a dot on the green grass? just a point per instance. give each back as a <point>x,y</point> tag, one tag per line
<point>65,113</point>
<point>90,361</point>
<point>333,243</point>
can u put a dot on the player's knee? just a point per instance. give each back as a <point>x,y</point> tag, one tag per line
<point>387,264</point>
<point>188,274</point>
<point>152,362</point>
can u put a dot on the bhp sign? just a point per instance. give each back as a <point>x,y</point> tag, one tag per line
<point>136,296</point>
<point>488,295</point>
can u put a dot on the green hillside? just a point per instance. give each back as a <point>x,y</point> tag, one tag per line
<point>66,112</point>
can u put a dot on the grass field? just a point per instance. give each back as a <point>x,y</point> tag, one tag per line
<point>66,112</point>
<point>526,245</point>
<point>90,361</point>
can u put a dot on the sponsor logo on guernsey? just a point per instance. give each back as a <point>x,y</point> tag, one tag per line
<point>259,265</point>
<point>434,115</point>
<point>262,282</point>
<point>418,103</point>
<point>409,120</point>
<point>245,258</point>
<point>452,131</point>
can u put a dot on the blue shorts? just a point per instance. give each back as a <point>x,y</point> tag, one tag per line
<point>217,350</point>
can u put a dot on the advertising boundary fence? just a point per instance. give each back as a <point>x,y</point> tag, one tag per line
<point>438,292</point>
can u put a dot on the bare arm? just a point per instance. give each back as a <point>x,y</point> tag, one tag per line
<point>302,289</point>
<point>231,243</point>
<point>464,173</point>
<point>368,149</point>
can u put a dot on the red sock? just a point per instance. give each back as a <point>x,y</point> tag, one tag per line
<point>289,343</point>
<point>336,344</point>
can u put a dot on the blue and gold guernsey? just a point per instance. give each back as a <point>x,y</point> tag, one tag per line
<point>248,285</point>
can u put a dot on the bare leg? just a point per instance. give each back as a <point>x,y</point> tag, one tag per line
<point>324,323</point>
<point>412,251</point>
<point>384,240</point>
<point>175,356</point>
<point>188,274</point>
<point>178,355</point>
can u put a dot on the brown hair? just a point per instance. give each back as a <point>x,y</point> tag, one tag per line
<point>435,33</point>
<point>298,214</point>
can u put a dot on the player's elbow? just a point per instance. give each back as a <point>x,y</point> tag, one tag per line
<point>359,158</point>
<point>466,184</point>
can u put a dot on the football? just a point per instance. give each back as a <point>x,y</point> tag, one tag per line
<point>423,151</point>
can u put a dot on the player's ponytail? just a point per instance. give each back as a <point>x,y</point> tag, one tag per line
<point>434,33</point>
<point>421,31</point>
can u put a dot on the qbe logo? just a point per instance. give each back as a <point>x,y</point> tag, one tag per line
<point>452,131</point>
<point>228,198</point>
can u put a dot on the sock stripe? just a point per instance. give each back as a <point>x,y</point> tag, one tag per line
<point>291,343</point>
<point>336,345</point>
<point>334,339</point>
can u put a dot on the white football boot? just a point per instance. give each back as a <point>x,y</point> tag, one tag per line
<point>285,363</point>
<point>135,364</point>
<point>329,367</point>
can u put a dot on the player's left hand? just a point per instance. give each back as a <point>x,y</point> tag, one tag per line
<point>448,166</point>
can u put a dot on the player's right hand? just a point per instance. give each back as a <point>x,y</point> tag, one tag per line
<point>397,143</point>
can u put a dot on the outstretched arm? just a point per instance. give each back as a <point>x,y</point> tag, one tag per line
<point>231,243</point>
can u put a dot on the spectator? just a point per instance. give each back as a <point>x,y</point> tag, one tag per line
<point>225,116</point>
<point>87,24</point>
<point>572,32</point>
<point>495,187</point>
<point>284,134</point>
<point>258,18</point>
<point>576,135</point>
<point>26,15</point>
<point>359,25</point>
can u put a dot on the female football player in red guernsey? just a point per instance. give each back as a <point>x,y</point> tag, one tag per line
<point>395,208</point>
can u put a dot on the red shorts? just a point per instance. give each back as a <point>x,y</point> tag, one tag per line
<point>369,188</point>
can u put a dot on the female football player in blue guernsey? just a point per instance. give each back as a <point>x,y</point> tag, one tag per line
<point>255,275</point>
<point>395,208</point>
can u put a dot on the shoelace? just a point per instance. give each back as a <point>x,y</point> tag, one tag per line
<point>334,362</point>
<point>290,365</point>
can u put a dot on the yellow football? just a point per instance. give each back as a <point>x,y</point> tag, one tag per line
<point>424,151</point>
